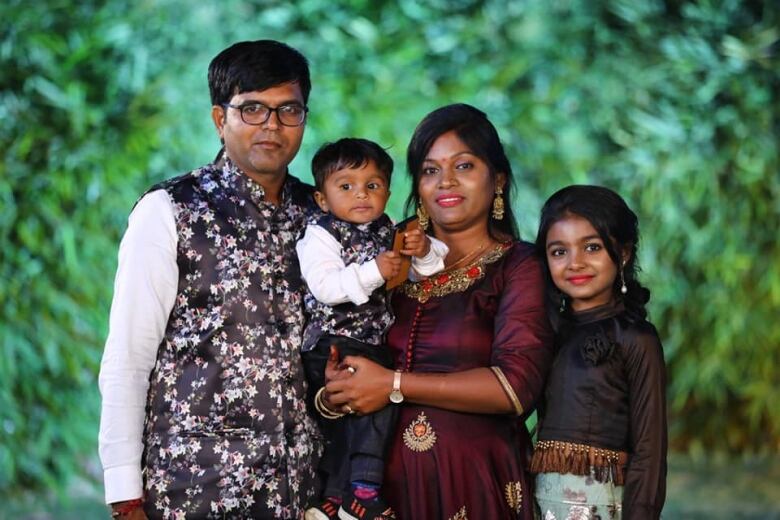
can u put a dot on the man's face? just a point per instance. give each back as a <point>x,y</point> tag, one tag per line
<point>261,151</point>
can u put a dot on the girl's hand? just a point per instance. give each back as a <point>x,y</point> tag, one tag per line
<point>366,391</point>
<point>416,243</point>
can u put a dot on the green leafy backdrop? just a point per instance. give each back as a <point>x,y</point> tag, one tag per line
<point>673,103</point>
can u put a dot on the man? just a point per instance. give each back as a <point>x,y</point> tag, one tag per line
<point>203,395</point>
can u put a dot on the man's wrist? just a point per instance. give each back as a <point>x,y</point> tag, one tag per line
<point>125,507</point>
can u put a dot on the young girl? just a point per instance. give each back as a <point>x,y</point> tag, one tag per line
<point>602,439</point>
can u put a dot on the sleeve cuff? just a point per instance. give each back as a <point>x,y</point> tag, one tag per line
<point>433,262</point>
<point>510,393</point>
<point>370,277</point>
<point>123,483</point>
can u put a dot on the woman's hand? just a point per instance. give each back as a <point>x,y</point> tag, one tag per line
<point>335,371</point>
<point>365,391</point>
<point>416,243</point>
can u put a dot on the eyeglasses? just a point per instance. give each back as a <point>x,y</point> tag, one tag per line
<point>254,113</point>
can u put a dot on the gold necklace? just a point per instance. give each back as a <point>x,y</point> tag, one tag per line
<point>465,257</point>
<point>453,280</point>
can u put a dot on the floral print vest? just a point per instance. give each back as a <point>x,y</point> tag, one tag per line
<point>369,321</point>
<point>226,433</point>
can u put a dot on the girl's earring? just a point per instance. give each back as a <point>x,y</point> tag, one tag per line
<point>422,216</point>
<point>623,288</point>
<point>562,308</point>
<point>498,204</point>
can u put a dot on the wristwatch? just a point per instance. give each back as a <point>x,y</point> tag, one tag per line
<point>396,396</point>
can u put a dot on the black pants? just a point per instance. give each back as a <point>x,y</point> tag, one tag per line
<point>355,445</point>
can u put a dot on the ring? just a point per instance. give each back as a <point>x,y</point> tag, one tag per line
<point>351,370</point>
<point>348,409</point>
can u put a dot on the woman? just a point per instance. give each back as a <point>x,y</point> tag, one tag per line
<point>472,345</point>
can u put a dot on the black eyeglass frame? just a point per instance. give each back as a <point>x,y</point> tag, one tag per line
<point>271,110</point>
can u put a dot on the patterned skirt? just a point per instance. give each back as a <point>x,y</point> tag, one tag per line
<point>577,497</point>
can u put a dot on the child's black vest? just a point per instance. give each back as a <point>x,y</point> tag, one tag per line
<point>367,322</point>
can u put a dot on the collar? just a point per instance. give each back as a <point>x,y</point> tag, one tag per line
<point>599,313</point>
<point>232,178</point>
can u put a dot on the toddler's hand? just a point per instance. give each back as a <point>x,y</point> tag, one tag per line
<point>416,243</point>
<point>389,264</point>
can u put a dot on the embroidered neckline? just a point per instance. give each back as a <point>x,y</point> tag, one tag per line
<point>458,280</point>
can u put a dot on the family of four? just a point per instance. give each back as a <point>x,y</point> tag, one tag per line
<point>258,367</point>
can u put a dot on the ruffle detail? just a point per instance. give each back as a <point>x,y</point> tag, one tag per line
<point>579,459</point>
<point>596,348</point>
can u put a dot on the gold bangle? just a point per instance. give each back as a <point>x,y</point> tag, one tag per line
<point>323,409</point>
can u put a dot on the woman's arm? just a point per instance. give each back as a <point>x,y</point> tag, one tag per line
<point>645,488</point>
<point>521,355</point>
<point>368,390</point>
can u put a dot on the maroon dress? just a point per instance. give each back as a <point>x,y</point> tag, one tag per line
<point>452,465</point>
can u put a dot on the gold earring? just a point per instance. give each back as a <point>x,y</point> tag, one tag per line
<point>422,216</point>
<point>498,204</point>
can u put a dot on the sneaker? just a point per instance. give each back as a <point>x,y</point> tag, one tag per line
<point>354,508</point>
<point>327,510</point>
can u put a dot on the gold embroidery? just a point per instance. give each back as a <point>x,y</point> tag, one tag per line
<point>419,435</point>
<point>458,280</point>
<point>460,515</point>
<point>514,495</point>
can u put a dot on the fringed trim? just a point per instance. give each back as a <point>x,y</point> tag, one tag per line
<point>579,459</point>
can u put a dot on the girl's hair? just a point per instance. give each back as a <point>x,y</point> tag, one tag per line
<point>618,228</point>
<point>472,126</point>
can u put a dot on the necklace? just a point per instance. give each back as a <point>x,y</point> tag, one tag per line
<point>454,280</point>
<point>466,257</point>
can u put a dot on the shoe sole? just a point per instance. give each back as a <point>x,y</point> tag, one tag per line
<point>315,514</point>
<point>343,515</point>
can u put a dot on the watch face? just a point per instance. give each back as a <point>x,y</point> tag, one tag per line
<point>396,396</point>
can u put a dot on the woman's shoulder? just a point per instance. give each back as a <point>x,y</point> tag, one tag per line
<point>519,253</point>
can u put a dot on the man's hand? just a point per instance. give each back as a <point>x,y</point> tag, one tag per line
<point>389,264</point>
<point>416,243</point>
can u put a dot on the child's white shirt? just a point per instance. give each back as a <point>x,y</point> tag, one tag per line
<point>332,282</point>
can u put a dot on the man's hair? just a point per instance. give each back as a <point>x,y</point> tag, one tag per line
<point>256,65</point>
<point>349,152</point>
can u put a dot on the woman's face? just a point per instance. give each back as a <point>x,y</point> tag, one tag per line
<point>455,186</point>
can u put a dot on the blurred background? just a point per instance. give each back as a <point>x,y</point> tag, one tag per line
<point>675,104</point>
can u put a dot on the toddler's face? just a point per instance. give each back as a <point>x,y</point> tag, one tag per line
<point>356,195</point>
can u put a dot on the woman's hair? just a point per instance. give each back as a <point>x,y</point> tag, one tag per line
<point>618,228</point>
<point>478,133</point>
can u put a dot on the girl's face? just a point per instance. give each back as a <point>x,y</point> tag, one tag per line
<point>455,186</point>
<point>579,263</point>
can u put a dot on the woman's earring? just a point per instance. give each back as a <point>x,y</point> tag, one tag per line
<point>498,204</point>
<point>623,288</point>
<point>562,308</point>
<point>422,216</point>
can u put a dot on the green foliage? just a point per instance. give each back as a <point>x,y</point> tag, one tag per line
<point>675,104</point>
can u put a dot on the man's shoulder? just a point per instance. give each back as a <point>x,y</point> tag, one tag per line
<point>300,191</point>
<point>185,183</point>
<point>302,195</point>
